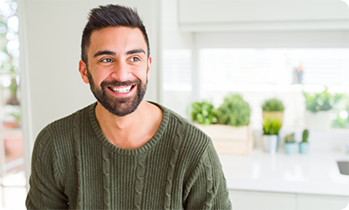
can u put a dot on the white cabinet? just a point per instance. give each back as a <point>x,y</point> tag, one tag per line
<point>251,200</point>
<point>211,15</point>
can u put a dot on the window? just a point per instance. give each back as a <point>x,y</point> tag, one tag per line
<point>230,67</point>
<point>12,175</point>
<point>274,72</point>
<point>259,73</point>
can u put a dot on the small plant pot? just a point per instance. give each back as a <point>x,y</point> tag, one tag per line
<point>304,147</point>
<point>290,148</point>
<point>270,143</point>
<point>13,145</point>
<point>272,115</point>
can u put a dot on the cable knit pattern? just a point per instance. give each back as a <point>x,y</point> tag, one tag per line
<point>171,169</point>
<point>106,180</point>
<point>209,182</point>
<point>75,167</point>
<point>139,181</point>
<point>78,161</point>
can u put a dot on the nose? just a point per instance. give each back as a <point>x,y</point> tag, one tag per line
<point>120,71</point>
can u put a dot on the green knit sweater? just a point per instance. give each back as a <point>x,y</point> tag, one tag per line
<point>75,167</point>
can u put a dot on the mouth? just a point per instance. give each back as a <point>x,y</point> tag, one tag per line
<point>121,89</point>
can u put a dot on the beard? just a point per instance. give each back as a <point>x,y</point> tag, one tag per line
<point>118,106</point>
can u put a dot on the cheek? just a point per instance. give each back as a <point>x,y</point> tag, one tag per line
<point>99,76</point>
<point>140,72</point>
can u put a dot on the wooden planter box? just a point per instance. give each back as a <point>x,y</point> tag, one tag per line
<point>229,139</point>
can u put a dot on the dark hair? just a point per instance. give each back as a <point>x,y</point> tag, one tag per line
<point>110,16</point>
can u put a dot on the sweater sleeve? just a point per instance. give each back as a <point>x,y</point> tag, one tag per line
<point>207,187</point>
<point>46,191</point>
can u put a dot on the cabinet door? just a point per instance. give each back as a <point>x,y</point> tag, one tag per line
<point>223,11</point>
<point>251,200</point>
<point>321,202</point>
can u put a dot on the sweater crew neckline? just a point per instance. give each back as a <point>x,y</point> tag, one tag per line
<point>151,143</point>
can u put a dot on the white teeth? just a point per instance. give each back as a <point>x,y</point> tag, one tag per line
<point>122,90</point>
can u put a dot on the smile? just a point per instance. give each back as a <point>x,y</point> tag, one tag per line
<point>121,89</point>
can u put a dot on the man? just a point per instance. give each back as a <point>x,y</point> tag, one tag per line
<point>123,152</point>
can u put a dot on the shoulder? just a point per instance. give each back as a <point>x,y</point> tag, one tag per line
<point>192,142</point>
<point>196,150</point>
<point>185,129</point>
<point>62,129</point>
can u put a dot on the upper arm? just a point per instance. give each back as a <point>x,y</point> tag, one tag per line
<point>45,191</point>
<point>207,187</point>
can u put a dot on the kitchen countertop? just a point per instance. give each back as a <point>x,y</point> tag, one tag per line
<point>313,173</point>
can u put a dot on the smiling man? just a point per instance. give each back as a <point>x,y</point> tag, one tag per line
<point>123,152</point>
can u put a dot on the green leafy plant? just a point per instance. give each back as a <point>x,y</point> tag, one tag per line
<point>339,122</point>
<point>273,105</point>
<point>341,110</point>
<point>290,138</point>
<point>305,136</point>
<point>234,111</point>
<point>203,113</point>
<point>322,101</point>
<point>272,126</point>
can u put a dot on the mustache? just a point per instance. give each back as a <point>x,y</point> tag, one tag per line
<point>120,83</point>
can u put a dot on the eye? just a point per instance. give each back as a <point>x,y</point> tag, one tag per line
<point>134,59</point>
<point>106,60</point>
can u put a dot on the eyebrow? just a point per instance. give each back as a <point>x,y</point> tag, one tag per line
<point>104,52</point>
<point>107,52</point>
<point>135,51</point>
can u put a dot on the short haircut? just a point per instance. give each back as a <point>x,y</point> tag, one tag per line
<point>110,16</point>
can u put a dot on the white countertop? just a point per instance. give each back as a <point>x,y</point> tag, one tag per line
<point>313,173</point>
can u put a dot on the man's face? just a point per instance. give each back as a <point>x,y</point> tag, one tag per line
<point>118,68</point>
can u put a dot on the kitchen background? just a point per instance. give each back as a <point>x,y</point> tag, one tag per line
<point>202,50</point>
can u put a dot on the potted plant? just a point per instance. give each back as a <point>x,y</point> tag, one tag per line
<point>234,111</point>
<point>304,145</point>
<point>318,109</point>
<point>270,138</point>
<point>290,144</point>
<point>203,113</point>
<point>228,126</point>
<point>273,108</point>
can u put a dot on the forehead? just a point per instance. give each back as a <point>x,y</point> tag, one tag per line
<point>117,39</point>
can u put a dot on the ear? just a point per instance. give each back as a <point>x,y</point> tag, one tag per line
<point>148,68</point>
<point>83,72</point>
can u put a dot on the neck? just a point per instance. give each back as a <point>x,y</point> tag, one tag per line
<point>130,131</point>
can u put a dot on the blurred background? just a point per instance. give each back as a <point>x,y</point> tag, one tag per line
<point>202,50</point>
